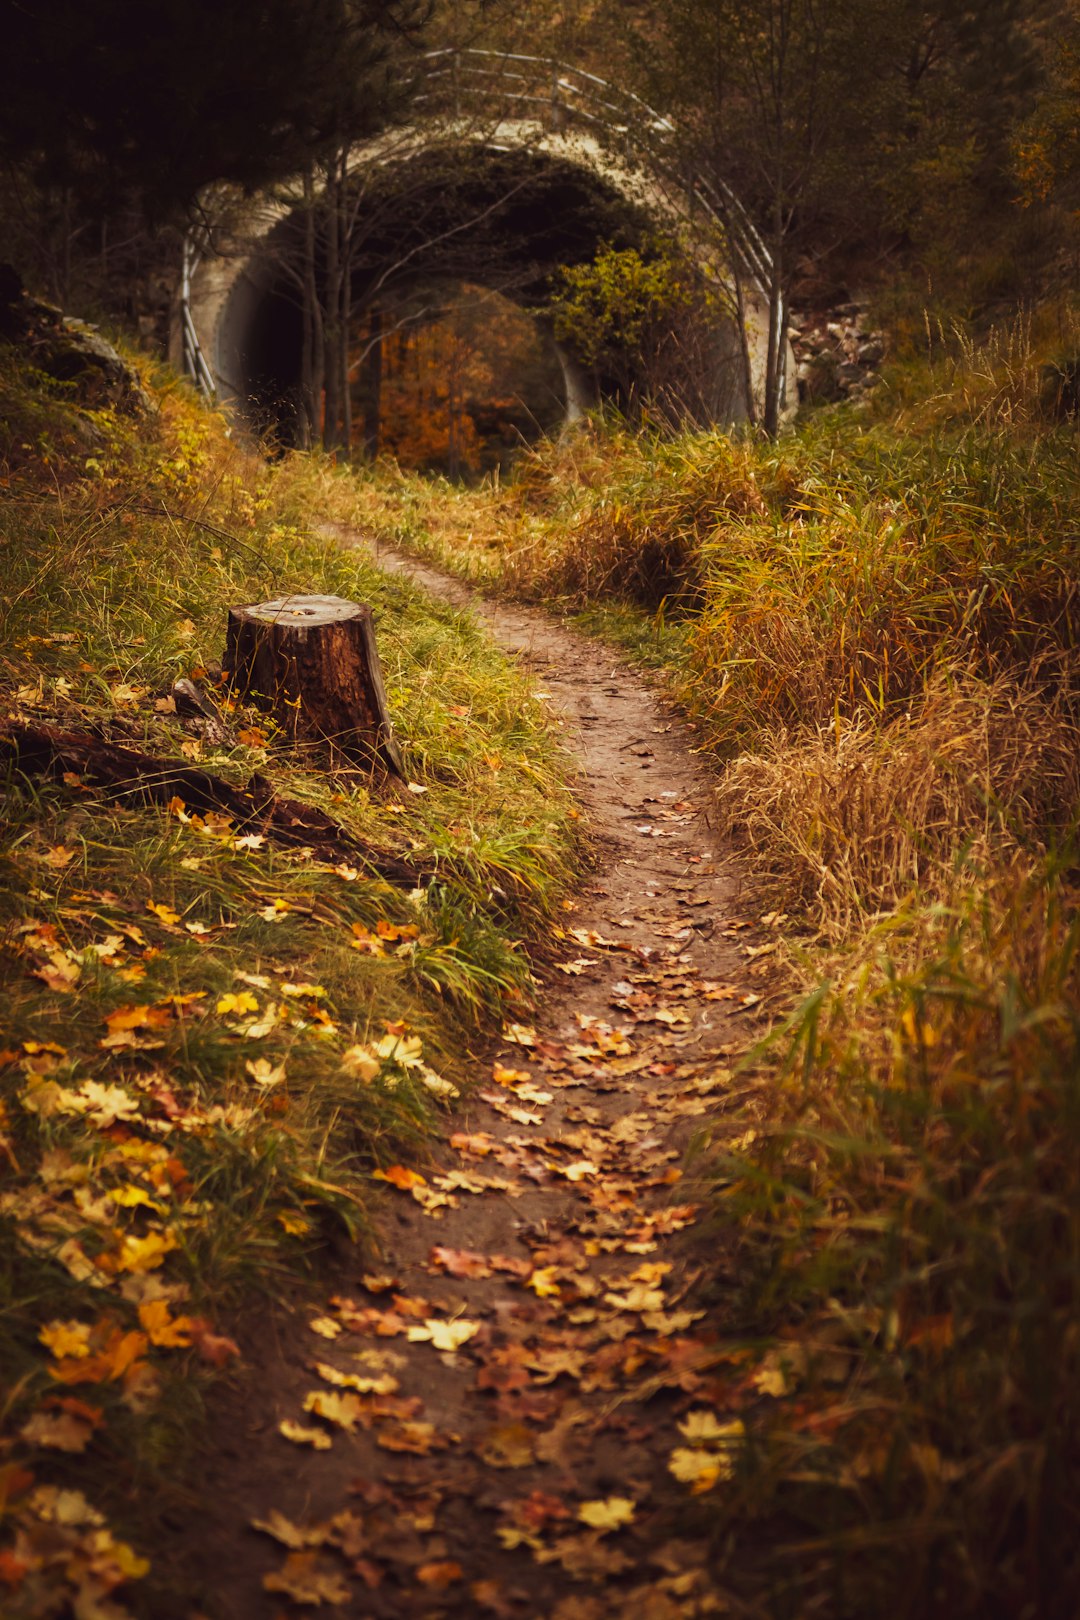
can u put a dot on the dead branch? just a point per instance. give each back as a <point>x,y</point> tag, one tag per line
<point>127,774</point>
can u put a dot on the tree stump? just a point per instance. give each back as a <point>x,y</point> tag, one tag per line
<point>312,661</point>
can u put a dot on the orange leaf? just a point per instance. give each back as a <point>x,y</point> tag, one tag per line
<point>169,1333</point>
<point>439,1574</point>
<point>398,1176</point>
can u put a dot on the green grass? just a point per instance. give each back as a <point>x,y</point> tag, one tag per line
<point>198,1150</point>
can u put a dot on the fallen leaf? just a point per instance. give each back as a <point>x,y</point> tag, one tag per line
<point>385,1384</point>
<point>545,1282</point>
<point>300,1436</point>
<point>69,1339</point>
<point>399,1176</point>
<point>163,1330</point>
<point>459,1262</point>
<point>289,1534</point>
<point>345,1410</point>
<point>439,1574</point>
<point>325,1327</point>
<point>507,1445</point>
<point>264,1073</point>
<point>242,1002</point>
<point>214,1348</point>
<point>146,1253</point>
<point>444,1335</point>
<point>415,1438</point>
<point>612,1513</point>
<point>163,913</point>
<point>305,1579</point>
<point>58,1431</point>
<point>699,1469</point>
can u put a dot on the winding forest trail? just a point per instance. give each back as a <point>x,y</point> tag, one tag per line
<point>511,1415</point>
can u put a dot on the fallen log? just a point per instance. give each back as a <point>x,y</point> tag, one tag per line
<point>125,773</point>
<point>312,661</point>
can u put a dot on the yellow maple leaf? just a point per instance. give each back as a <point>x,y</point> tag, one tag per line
<point>242,1002</point>
<point>57,856</point>
<point>384,1384</point>
<point>265,1073</point>
<point>325,1327</point>
<point>704,1428</point>
<point>444,1335</point>
<point>145,1253</point>
<point>318,1439</point>
<point>164,913</point>
<point>344,1410</point>
<point>609,1514</point>
<point>289,1534</point>
<point>698,1469</point>
<point>66,1338</point>
<point>544,1282</point>
<point>132,1197</point>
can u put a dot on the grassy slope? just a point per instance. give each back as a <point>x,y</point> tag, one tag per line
<point>210,1044</point>
<point>876,626</point>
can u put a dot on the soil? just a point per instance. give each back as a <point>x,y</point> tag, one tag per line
<point>561,1223</point>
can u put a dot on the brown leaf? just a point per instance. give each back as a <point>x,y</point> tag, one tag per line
<point>440,1574</point>
<point>60,1431</point>
<point>416,1438</point>
<point>507,1445</point>
<point>305,1579</point>
<point>460,1262</point>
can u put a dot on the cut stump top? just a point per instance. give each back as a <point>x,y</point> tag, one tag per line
<point>303,612</point>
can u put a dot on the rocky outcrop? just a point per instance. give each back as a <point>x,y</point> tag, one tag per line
<point>71,351</point>
<point>837,353</point>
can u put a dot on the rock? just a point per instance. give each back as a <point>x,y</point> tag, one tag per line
<point>68,350</point>
<point>820,385</point>
<point>872,352</point>
<point>78,354</point>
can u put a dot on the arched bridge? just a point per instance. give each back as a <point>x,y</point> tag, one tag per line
<point>510,166</point>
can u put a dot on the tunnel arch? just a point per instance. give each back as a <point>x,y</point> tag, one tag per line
<point>501,207</point>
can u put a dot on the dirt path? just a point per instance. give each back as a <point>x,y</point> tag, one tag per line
<point>543,1321</point>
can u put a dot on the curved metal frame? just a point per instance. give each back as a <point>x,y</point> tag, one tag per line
<point>556,96</point>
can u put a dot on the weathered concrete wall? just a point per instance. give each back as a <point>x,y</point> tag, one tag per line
<point>228,290</point>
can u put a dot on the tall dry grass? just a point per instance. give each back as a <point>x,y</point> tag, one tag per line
<point>876,625</point>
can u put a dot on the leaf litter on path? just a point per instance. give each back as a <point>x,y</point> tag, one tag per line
<point>519,1416</point>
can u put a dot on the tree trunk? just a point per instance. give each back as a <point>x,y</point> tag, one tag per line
<point>331,362</point>
<point>312,660</point>
<point>774,370</point>
<point>345,304</point>
<point>373,366</point>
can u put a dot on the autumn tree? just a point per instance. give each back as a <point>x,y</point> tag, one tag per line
<point>842,120</point>
<point>1046,144</point>
<point>640,319</point>
<point>758,90</point>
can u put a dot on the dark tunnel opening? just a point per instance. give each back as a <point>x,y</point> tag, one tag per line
<point>492,220</point>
